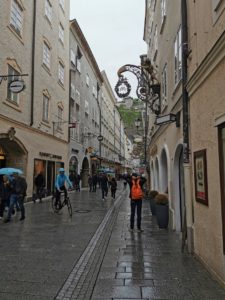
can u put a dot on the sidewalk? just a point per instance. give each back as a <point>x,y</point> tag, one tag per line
<point>94,256</point>
<point>150,265</point>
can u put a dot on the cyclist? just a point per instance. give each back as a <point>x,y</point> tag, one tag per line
<point>60,185</point>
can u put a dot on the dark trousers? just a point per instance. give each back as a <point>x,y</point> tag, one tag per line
<point>2,206</point>
<point>94,187</point>
<point>135,204</point>
<point>13,200</point>
<point>113,193</point>
<point>104,192</point>
<point>40,191</point>
<point>57,195</point>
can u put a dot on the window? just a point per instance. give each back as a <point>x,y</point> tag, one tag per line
<point>60,118</point>
<point>86,107</point>
<point>79,65</point>
<point>163,9</point>
<point>87,80</point>
<point>72,91</point>
<point>61,73</point>
<point>77,97</point>
<point>164,87</point>
<point>177,57</point>
<point>72,57</point>
<point>62,4</point>
<point>61,33</point>
<point>13,76</point>
<point>45,108</point>
<point>46,55</point>
<point>16,18</point>
<point>48,10</point>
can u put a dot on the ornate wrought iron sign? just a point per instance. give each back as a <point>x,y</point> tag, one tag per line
<point>16,84</point>
<point>148,88</point>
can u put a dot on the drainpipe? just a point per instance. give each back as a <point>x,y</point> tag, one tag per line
<point>186,149</point>
<point>100,124</point>
<point>32,65</point>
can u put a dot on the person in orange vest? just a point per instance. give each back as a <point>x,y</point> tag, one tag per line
<point>136,194</point>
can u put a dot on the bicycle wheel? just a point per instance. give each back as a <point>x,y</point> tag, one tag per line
<point>55,208</point>
<point>69,206</point>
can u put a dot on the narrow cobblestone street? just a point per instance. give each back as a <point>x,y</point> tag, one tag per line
<point>94,256</point>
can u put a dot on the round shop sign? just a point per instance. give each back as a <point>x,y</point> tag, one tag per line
<point>100,138</point>
<point>16,86</point>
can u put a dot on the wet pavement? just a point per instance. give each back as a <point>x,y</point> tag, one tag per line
<point>94,256</point>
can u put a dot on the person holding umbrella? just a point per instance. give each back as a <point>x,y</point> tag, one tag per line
<point>18,187</point>
<point>4,194</point>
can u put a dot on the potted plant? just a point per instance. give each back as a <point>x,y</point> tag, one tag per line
<point>162,210</point>
<point>152,195</point>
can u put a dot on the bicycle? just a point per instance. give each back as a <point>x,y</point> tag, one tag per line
<point>60,204</point>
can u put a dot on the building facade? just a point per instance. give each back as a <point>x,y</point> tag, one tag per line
<point>33,132</point>
<point>198,183</point>
<point>206,69</point>
<point>162,34</point>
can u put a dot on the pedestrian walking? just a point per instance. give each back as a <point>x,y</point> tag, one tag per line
<point>94,182</point>
<point>4,194</point>
<point>90,183</point>
<point>136,194</point>
<point>104,186</point>
<point>18,187</point>
<point>77,182</point>
<point>39,181</point>
<point>113,186</point>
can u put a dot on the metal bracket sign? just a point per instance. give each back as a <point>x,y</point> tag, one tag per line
<point>100,138</point>
<point>15,85</point>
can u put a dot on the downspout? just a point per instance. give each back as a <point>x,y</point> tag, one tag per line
<point>186,149</point>
<point>69,105</point>
<point>33,65</point>
<point>100,124</point>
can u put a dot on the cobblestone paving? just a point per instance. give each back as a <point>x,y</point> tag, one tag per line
<point>94,256</point>
<point>150,265</point>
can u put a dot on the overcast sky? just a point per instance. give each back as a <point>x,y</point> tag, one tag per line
<point>114,31</point>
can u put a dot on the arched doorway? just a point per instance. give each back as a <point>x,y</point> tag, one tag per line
<point>178,183</point>
<point>73,165</point>
<point>84,172</point>
<point>164,174</point>
<point>14,153</point>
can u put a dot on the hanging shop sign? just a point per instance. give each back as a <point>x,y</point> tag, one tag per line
<point>100,138</point>
<point>16,86</point>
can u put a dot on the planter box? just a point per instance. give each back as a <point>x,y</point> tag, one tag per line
<point>162,215</point>
<point>152,205</point>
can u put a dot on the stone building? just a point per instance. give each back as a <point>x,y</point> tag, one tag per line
<point>34,123</point>
<point>206,86</point>
<point>162,34</point>
<point>191,65</point>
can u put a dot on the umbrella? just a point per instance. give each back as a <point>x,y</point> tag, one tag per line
<point>9,171</point>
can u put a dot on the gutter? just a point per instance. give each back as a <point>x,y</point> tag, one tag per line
<point>33,64</point>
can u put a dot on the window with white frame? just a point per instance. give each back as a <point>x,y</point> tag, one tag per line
<point>59,118</point>
<point>62,4</point>
<point>79,65</point>
<point>77,97</point>
<point>48,10</point>
<point>164,87</point>
<point>87,80</point>
<point>163,9</point>
<point>61,72</point>
<point>46,55</point>
<point>177,57</point>
<point>86,107</point>
<point>16,17</point>
<point>45,113</point>
<point>72,57</point>
<point>72,91</point>
<point>61,33</point>
<point>13,76</point>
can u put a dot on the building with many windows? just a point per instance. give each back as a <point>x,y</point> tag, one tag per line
<point>34,123</point>
<point>189,55</point>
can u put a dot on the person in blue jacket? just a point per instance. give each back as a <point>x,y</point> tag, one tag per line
<point>60,185</point>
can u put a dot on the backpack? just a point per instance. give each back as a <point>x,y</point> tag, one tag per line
<point>136,190</point>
